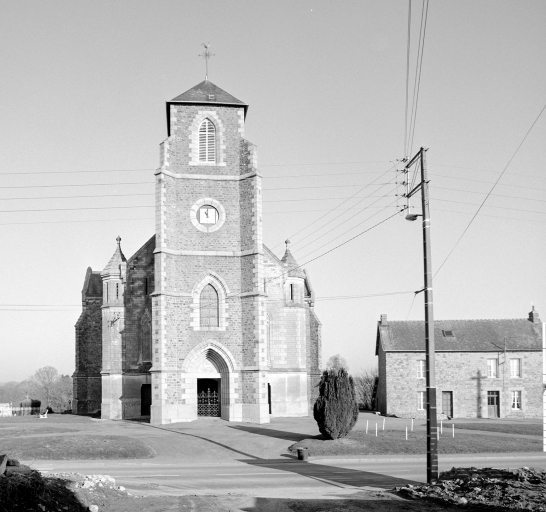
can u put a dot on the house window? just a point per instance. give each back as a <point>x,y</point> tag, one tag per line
<point>516,400</point>
<point>515,368</point>
<point>291,292</point>
<point>421,368</point>
<point>209,307</point>
<point>492,368</point>
<point>207,141</point>
<point>421,400</point>
<point>117,290</point>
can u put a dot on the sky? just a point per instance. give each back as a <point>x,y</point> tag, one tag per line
<point>82,114</point>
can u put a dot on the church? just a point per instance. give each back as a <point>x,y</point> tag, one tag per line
<point>204,319</point>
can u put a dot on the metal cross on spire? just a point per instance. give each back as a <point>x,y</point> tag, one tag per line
<point>206,55</point>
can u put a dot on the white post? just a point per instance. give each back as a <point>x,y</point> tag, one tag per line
<point>453,429</point>
<point>366,426</point>
<point>441,426</point>
<point>406,432</point>
<point>412,424</point>
<point>383,423</point>
<point>376,429</point>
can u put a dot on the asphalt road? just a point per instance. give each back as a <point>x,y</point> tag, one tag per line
<point>281,477</point>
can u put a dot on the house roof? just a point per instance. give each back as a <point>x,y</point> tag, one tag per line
<point>467,335</point>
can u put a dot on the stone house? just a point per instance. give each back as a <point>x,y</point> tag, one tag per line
<point>484,368</point>
<point>203,319</point>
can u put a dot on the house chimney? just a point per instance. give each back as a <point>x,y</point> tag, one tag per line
<point>383,320</point>
<point>533,316</point>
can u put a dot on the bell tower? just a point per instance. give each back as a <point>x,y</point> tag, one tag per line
<point>208,303</point>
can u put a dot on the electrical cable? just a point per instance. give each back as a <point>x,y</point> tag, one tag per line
<point>492,188</point>
<point>337,218</point>
<point>340,204</point>
<point>407,81</point>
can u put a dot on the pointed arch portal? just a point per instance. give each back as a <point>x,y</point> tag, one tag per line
<point>213,367</point>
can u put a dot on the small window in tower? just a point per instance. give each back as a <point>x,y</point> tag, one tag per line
<point>291,292</point>
<point>207,141</point>
<point>117,290</point>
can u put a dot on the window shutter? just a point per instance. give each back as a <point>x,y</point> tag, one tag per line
<point>207,141</point>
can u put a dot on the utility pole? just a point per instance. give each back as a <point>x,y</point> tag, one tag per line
<point>432,421</point>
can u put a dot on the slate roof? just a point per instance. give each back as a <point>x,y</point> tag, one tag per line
<point>94,287</point>
<point>468,335</point>
<point>116,259</point>
<point>290,262</point>
<point>201,94</point>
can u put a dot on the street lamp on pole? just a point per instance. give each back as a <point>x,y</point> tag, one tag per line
<point>432,423</point>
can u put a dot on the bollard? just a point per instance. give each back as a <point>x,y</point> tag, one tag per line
<point>383,423</point>
<point>441,426</point>
<point>406,433</point>
<point>453,429</point>
<point>412,424</point>
<point>303,453</point>
<point>376,430</point>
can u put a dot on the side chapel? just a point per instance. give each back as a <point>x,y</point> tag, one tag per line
<point>203,319</point>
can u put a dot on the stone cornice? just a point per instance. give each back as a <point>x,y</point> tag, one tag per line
<point>215,177</point>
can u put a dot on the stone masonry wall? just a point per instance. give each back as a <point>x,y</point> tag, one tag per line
<point>87,377</point>
<point>137,300</point>
<point>465,375</point>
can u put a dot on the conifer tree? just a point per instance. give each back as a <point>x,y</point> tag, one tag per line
<point>336,408</point>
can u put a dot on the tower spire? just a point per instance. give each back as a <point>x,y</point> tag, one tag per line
<point>206,55</point>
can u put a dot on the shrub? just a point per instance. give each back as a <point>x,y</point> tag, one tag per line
<point>336,409</point>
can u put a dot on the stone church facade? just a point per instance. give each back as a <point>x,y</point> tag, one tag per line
<point>203,319</point>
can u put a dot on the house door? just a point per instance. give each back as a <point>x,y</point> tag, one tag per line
<point>145,399</point>
<point>447,403</point>
<point>493,404</point>
<point>208,397</point>
<point>269,397</point>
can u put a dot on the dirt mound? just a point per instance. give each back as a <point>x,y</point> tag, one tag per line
<point>498,489</point>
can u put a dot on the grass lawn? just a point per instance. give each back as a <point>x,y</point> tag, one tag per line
<point>527,429</point>
<point>71,447</point>
<point>394,442</point>
<point>26,430</point>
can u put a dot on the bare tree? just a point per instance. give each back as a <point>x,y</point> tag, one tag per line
<point>44,381</point>
<point>364,386</point>
<point>336,362</point>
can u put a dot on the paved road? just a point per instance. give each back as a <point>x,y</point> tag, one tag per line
<point>281,477</point>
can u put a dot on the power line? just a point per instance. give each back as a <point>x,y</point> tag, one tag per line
<point>407,81</point>
<point>417,83</point>
<point>341,204</point>
<point>347,231</point>
<point>353,206</point>
<point>488,206</point>
<point>492,188</point>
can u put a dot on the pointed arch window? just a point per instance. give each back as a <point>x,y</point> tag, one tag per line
<point>146,337</point>
<point>207,141</point>
<point>209,307</point>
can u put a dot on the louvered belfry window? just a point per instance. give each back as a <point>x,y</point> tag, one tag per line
<point>209,307</point>
<point>207,141</point>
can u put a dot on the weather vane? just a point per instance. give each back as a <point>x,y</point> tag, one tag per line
<point>206,55</point>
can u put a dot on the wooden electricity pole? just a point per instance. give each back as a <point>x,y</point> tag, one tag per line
<point>432,422</point>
